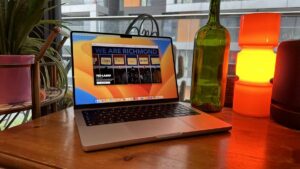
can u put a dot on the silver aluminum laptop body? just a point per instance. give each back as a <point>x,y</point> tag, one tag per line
<point>98,137</point>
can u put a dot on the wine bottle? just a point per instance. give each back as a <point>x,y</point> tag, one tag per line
<point>210,63</point>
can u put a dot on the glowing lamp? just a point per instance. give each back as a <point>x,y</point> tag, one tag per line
<point>256,65</point>
<point>259,34</point>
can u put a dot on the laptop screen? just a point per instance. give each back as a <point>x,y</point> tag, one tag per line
<point>110,68</point>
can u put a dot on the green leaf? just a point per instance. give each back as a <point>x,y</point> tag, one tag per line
<point>18,18</point>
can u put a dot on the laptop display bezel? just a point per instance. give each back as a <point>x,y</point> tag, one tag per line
<point>115,104</point>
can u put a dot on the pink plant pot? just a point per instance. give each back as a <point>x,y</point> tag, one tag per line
<point>15,82</point>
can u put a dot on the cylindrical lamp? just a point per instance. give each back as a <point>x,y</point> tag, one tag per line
<point>259,34</point>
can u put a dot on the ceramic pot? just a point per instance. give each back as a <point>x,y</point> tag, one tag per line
<point>15,78</point>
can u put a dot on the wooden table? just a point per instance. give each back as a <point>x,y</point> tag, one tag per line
<point>53,142</point>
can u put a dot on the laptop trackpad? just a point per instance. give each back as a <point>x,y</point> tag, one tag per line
<point>133,131</point>
<point>158,128</point>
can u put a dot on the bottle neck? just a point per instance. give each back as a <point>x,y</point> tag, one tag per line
<point>214,12</point>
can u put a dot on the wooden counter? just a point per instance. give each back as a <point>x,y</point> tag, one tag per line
<point>53,142</point>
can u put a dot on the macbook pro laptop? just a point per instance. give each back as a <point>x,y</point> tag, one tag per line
<point>125,92</point>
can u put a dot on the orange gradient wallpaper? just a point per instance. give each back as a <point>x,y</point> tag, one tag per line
<point>108,68</point>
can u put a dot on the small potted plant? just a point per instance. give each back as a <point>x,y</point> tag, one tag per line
<point>19,19</point>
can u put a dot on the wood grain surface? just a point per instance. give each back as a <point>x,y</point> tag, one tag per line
<point>253,143</point>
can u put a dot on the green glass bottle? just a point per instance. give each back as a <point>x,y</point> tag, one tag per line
<point>210,63</point>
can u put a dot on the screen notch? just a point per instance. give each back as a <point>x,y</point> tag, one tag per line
<point>126,36</point>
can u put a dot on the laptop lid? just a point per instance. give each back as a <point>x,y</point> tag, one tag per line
<point>115,69</point>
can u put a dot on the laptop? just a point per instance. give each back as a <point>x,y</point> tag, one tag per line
<point>125,92</point>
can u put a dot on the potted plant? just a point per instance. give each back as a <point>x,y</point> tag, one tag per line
<point>19,20</point>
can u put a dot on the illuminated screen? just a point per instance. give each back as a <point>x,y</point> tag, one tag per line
<point>110,68</point>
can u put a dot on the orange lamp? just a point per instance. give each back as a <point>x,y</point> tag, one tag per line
<point>259,34</point>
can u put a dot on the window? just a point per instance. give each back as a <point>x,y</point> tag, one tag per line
<point>145,2</point>
<point>169,28</point>
<point>181,28</point>
<point>183,1</point>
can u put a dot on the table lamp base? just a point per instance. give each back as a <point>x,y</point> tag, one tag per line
<point>252,99</point>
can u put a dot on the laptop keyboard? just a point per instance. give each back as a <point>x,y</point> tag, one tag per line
<point>134,113</point>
